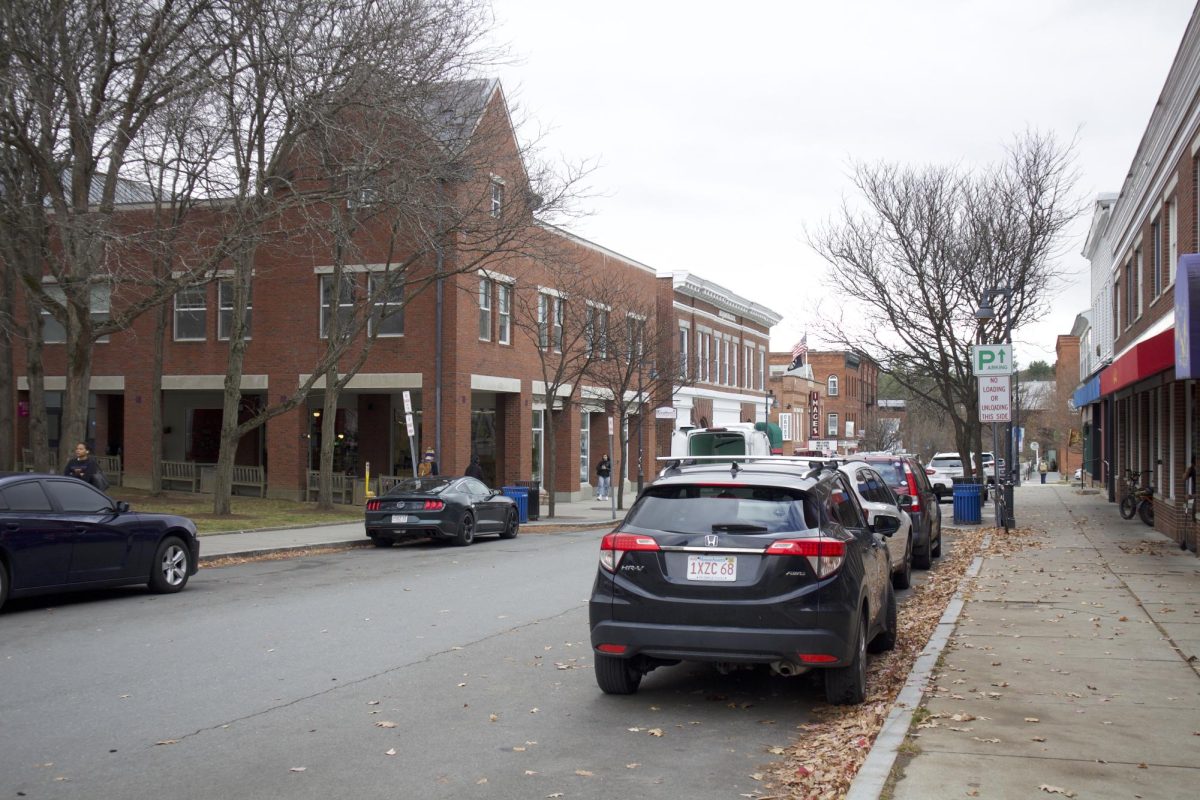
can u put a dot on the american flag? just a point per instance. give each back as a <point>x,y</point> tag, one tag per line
<point>799,350</point>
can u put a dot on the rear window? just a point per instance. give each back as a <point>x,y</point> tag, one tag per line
<point>703,508</point>
<point>946,462</point>
<point>891,471</point>
<point>717,444</point>
<point>431,485</point>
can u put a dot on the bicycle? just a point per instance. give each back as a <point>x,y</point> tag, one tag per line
<point>1139,497</point>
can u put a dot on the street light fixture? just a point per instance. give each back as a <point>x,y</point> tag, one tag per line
<point>985,312</point>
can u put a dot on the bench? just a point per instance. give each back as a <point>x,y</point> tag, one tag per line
<point>341,487</point>
<point>250,477</point>
<point>111,467</point>
<point>181,472</point>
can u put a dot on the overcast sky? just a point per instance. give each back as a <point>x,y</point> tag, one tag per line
<point>723,130</point>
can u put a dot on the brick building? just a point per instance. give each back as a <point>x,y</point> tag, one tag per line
<point>847,401</point>
<point>465,354</point>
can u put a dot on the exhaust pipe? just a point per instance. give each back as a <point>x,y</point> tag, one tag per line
<point>788,669</point>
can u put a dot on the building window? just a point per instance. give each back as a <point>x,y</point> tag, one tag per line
<point>1140,277</point>
<point>585,445</point>
<point>225,310</point>
<point>504,311</point>
<point>748,369</point>
<point>345,302</point>
<point>597,331</point>
<point>733,364</point>
<point>550,321</point>
<point>1155,258</point>
<point>831,386</point>
<point>485,309</point>
<point>831,427</point>
<point>635,333</point>
<point>683,353</point>
<point>1129,294</point>
<point>191,310</point>
<point>387,305</point>
<point>538,417</point>
<point>100,303</point>
<point>1172,239</point>
<point>497,197</point>
<point>701,358</point>
<point>762,369</point>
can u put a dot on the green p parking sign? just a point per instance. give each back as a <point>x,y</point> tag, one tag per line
<point>992,359</point>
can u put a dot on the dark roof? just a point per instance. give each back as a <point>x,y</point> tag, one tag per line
<point>453,109</point>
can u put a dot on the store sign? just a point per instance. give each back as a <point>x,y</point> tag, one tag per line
<point>665,412</point>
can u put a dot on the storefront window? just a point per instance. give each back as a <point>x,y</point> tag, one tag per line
<point>585,435</point>
<point>538,416</point>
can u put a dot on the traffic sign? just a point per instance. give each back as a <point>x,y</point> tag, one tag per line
<point>995,398</point>
<point>992,359</point>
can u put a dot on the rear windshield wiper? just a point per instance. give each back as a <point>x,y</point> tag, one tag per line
<point>730,527</point>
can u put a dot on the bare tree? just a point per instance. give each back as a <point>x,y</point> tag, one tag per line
<point>928,244</point>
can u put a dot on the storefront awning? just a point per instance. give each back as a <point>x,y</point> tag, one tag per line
<point>1088,393</point>
<point>1147,358</point>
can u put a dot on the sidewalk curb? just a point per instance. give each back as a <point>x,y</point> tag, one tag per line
<point>877,768</point>
<point>295,548</point>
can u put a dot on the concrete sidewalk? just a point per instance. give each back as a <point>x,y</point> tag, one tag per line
<point>582,514</point>
<point>1072,669</point>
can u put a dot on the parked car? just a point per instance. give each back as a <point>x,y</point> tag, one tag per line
<point>948,466</point>
<point>876,497</point>
<point>906,475</point>
<point>757,563</point>
<point>61,534</point>
<point>452,508</point>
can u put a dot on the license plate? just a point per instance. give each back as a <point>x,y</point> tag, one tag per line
<point>712,568</point>
<point>399,519</point>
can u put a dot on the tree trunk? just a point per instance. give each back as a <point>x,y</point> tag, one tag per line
<point>156,400</point>
<point>79,377</point>
<point>8,387</point>
<point>328,438</point>
<point>232,401</point>
<point>39,438</point>
<point>548,429</point>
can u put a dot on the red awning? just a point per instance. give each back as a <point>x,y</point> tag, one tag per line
<point>1147,358</point>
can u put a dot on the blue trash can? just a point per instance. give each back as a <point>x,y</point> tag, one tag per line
<point>968,501</point>
<point>521,495</point>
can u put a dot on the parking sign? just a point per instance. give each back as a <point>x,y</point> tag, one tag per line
<point>992,359</point>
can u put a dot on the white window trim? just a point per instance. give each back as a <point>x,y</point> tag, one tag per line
<point>371,321</point>
<point>483,293</point>
<point>498,277</point>
<point>504,318</point>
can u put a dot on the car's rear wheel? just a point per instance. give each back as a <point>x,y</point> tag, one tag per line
<point>616,675</point>
<point>923,558</point>
<point>886,639</point>
<point>169,572</point>
<point>936,547</point>
<point>466,531</point>
<point>902,578</point>
<point>511,527</point>
<point>847,686</point>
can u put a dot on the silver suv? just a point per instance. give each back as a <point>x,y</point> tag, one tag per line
<point>945,467</point>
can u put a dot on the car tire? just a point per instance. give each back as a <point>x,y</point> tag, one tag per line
<point>616,675</point>
<point>885,640</point>
<point>923,558</point>
<point>169,570</point>
<point>466,531</point>
<point>379,541</point>
<point>903,578</point>
<point>847,686</point>
<point>936,549</point>
<point>511,527</point>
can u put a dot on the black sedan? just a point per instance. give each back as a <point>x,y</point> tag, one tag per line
<point>59,533</point>
<point>447,508</point>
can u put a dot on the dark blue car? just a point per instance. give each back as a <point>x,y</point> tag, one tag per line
<point>59,533</point>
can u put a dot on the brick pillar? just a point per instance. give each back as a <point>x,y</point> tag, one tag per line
<point>287,452</point>
<point>514,437</point>
<point>136,457</point>
<point>566,450</point>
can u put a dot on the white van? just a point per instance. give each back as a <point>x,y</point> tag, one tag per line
<point>735,439</point>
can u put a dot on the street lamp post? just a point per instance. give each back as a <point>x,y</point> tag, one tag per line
<point>768,400</point>
<point>986,312</point>
<point>641,478</point>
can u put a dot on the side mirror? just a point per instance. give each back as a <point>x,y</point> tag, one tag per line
<point>886,524</point>
<point>906,501</point>
<point>122,507</point>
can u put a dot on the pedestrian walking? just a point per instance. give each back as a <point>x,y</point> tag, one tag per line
<point>83,465</point>
<point>1042,469</point>
<point>603,478</point>
<point>474,470</point>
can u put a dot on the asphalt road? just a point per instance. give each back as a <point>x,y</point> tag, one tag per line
<point>422,671</point>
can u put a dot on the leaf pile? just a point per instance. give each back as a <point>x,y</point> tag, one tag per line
<point>828,754</point>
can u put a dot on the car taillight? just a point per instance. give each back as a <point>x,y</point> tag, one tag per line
<point>825,556</point>
<point>373,505</point>
<point>930,471</point>
<point>912,490</point>
<point>434,505</point>
<point>615,545</point>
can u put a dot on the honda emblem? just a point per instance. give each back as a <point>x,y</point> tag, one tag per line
<point>710,540</point>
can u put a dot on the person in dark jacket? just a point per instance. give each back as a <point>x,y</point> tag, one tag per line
<point>603,478</point>
<point>83,465</point>
<point>474,470</point>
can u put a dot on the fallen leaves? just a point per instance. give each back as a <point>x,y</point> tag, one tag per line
<point>1045,787</point>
